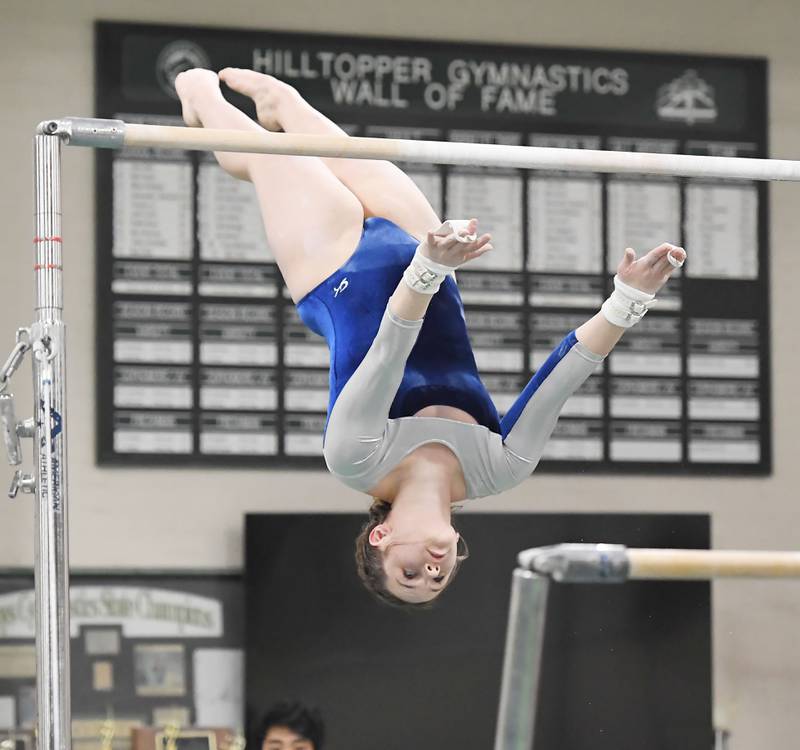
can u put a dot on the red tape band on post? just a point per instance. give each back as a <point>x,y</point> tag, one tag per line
<point>39,240</point>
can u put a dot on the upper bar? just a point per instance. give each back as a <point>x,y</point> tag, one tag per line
<point>614,563</point>
<point>117,134</point>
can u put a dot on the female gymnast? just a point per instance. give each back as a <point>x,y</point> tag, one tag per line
<point>370,267</point>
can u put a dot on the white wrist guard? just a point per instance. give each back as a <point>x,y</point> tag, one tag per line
<point>424,275</point>
<point>626,306</point>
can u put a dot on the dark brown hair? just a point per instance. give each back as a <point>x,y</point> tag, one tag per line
<point>304,721</point>
<point>369,561</point>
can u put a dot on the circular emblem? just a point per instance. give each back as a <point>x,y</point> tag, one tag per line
<point>175,58</point>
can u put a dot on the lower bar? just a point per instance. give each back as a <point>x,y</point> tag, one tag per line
<point>522,661</point>
<point>615,563</point>
<point>705,564</point>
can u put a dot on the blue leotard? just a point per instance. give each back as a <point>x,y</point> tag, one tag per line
<point>347,309</point>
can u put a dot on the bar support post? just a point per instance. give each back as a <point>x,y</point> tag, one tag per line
<point>50,468</point>
<point>522,662</point>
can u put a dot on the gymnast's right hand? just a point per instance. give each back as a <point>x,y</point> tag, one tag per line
<point>454,248</point>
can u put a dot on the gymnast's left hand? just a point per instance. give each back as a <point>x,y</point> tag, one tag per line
<point>452,250</point>
<point>650,272</point>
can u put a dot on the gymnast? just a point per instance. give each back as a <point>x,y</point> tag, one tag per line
<point>370,266</point>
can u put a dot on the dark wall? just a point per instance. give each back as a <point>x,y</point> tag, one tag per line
<point>625,666</point>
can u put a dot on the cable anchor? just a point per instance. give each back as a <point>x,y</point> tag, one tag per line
<point>24,482</point>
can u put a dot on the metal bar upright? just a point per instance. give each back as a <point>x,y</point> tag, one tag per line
<point>522,662</point>
<point>50,472</point>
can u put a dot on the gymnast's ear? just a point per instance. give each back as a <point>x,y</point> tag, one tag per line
<point>379,533</point>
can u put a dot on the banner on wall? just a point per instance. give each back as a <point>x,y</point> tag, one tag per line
<point>140,612</point>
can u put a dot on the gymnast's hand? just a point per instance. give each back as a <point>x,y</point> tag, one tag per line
<point>452,249</point>
<point>650,272</point>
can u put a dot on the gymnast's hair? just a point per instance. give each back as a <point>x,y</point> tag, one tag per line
<point>369,561</point>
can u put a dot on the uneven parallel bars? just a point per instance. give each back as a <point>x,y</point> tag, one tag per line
<point>97,133</point>
<point>595,563</point>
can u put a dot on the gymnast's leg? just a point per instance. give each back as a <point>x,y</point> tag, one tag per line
<point>383,188</point>
<point>313,222</point>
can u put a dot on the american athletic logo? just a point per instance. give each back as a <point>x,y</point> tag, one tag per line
<point>687,99</point>
<point>55,426</point>
<point>343,284</point>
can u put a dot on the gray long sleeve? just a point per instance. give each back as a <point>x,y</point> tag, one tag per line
<point>358,421</point>
<point>525,441</point>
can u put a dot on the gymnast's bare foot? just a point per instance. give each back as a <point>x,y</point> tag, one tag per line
<point>268,93</point>
<point>189,85</point>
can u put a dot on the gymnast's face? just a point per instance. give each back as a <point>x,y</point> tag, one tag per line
<point>417,568</point>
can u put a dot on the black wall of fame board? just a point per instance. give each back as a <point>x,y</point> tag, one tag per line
<point>201,355</point>
<point>624,666</point>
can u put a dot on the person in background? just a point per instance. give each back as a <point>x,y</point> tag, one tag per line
<point>291,726</point>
